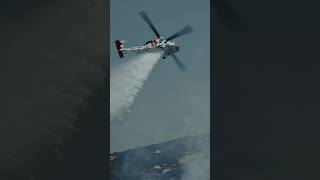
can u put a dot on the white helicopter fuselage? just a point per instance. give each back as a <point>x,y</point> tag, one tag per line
<point>168,47</point>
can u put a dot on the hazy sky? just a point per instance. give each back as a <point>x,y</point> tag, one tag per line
<point>172,103</point>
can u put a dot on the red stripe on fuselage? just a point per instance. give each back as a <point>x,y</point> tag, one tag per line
<point>154,43</point>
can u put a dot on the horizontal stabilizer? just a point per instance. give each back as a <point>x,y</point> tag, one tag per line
<point>119,48</point>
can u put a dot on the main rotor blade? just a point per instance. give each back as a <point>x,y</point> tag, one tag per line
<point>146,18</point>
<point>186,30</point>
<point>180,65</point>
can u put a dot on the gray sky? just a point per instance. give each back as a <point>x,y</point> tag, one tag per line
<point>172,103</point>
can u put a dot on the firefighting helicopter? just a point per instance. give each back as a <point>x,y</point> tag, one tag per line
<point>166,45</point>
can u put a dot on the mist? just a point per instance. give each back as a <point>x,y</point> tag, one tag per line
<point>126,80</point>
<point>197,166</point>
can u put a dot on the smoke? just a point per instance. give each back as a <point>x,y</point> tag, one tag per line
<point>197,166</point>
<point>126,80</point>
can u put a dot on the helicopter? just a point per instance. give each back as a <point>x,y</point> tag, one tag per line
<point>167,45</point>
